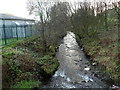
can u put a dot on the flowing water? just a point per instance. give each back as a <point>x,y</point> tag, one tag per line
<point>74,70</point>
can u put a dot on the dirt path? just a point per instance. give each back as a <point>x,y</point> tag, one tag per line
<point>74,70</point>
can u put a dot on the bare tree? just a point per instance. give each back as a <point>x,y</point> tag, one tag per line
<point>40,8</point>
<point>105,15</point>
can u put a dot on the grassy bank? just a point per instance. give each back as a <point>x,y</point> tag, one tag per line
<point>25,65</point>
<point>103,50</point>
<point>9,40</point>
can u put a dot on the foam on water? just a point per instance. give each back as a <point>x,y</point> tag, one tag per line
<point>68,85</point>
<point>86,78</point>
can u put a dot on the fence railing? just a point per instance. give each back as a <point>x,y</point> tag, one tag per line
<point>11,32</point>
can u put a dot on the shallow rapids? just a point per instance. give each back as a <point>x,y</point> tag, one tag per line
<point>74,70</point>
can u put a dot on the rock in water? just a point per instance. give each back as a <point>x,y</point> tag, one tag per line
<point>94,64</point>
<point>87,68</point>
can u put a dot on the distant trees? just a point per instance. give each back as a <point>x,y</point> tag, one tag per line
<point>83,18</point>
<point>53,18</point>
<point>108,10</point>
<point>59,21</point>
<point>91,21</point>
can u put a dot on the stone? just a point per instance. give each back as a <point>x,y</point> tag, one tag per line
<point>87,68</point>
<point>81,49</point>
<point>94,64</point>
<point>80,59</point>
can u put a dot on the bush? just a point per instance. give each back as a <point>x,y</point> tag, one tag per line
<point>24,61</point>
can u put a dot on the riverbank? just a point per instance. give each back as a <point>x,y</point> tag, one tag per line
<point>102,51</point>
<point>25,65</point>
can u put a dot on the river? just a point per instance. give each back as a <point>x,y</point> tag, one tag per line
<point>75,70</point>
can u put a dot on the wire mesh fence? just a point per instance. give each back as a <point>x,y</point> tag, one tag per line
<point>13,30</point>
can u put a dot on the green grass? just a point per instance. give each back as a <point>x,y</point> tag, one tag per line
<point>9,40</point>
<point>26,84</point>
<point>2,42</point>
<point>14,43</point>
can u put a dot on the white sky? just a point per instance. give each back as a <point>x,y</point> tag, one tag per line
<point>14,7</point>
<point>18,7</point>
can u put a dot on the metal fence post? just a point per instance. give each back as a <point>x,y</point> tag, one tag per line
<point>16,32</point>
<point>5,39</point>
<point>11,28</point>
<point>25,30</point>
<point>22,28</point>
<point>31,29</point>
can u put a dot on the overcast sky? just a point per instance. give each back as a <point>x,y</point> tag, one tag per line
<point>15,7</point>
<point>18,7</point>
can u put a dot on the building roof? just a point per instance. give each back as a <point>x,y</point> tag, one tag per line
<point>12,17</point>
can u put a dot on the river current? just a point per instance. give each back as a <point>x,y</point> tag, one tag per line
<point>74,70</point>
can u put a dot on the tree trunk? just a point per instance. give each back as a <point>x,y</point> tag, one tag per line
<point>118,20</point>
<point>106,24</point>
<point>43,39</point>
